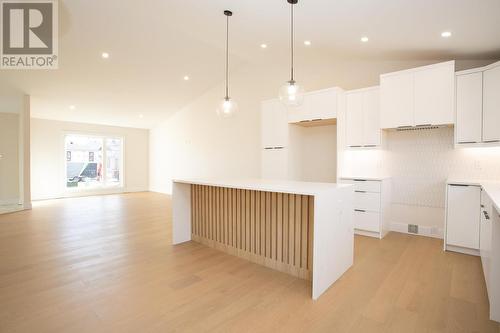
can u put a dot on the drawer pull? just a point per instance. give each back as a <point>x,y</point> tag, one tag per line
<point>360,210</point>
<point>357,191</point>
<point>459,185</point>
<point>490,141</point>
<point>465,142</point>
<point>360,180</point>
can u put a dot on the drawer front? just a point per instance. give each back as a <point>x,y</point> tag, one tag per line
<point>364,185</point>
<point>367,201</point>
<point>368,221</point>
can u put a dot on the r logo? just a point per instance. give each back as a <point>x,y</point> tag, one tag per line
<point>27,28</point>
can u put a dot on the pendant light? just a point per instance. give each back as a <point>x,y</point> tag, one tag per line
<point>291,94</point>
<point>227,106</point>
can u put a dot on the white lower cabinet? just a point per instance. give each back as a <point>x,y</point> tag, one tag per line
<point>274,163</point>
<point>473,227</point>
<point>463,218</point>
<point>494,273</point>
<point>371,200</point>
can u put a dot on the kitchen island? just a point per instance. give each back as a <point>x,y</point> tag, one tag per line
<point>301,228</point>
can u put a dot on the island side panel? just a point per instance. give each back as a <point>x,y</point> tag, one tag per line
<point>258,225</point>
<point>181,213</point>
<point>333,242</point>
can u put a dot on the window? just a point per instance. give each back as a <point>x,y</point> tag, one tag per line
<point>92,162</point>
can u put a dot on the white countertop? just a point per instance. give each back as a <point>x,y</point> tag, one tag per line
<point>267,185</point>
<point>492,188</point>
<point>379,178</point>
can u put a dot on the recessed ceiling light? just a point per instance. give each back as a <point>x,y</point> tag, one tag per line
<point>72,107</point>
<point>105,55</point>
<point>141,116</point>
<point>186,78</point>
<point>307,43</point>
<point>364,39</point>
<point>264,46</point>
<point>446,34</point>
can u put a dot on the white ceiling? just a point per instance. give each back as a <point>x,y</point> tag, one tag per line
<point>154,43</point>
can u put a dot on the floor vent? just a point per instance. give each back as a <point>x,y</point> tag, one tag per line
<point>412,228</point>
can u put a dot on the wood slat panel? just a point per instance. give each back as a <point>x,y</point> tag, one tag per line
<point>273,229</point>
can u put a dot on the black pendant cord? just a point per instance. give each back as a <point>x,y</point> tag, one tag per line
<point>291,43</point>
<point>227,57</point>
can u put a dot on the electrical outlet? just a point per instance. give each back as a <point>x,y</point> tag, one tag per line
<point>412,228</point>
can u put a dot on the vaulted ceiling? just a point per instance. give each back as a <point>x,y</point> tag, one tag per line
<point>153,44</point>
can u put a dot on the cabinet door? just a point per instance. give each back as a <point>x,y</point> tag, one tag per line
<point>462,223</point>
<point>371,118</point>
<point>491,106</point>
<point>321,104</point>
<point>434,95</point>
<point>469,107</point>
<point>274,124</point>
<point>485,236</point>
<point>274,163</point>
<point>396,100</point>
<point>354,119</point>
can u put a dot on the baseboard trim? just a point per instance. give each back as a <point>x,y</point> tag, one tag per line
<point>426,231</point>
<point>463,250</point>
<point>367,233</point>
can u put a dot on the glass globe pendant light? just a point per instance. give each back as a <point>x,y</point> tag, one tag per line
<point>291,94</point>
<point>227,107</point>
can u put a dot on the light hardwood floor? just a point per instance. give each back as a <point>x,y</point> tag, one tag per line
<point>106,264</point>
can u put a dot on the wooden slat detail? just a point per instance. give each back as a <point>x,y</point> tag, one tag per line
<point>273,229</point>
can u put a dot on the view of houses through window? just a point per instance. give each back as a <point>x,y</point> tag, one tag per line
<point>92,161</point>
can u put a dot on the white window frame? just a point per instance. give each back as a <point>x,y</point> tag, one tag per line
<point>103,189</point>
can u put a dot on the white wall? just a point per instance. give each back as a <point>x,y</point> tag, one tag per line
<point>47,155</point>
<point>9,162</point>
<point>195,143</point>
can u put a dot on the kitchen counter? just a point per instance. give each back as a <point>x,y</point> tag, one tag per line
<point>304,229</point>
<point>268,185</point>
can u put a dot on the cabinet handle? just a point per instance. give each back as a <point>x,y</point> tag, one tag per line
<point>360,191</point>
<point>317,119</point>
<point>280,147</point>
<point>465,142</point>
<point>268,148</point>
<point>489,141</point>
<point>304,121</point>
<point>355,146</point>
<point>370,146</point>
<point>359,180</point>
<point>459,185</point>
<point>360,210</point>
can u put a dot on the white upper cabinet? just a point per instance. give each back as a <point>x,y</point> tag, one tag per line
<point>371,117</point>
<point>491,104</point>
<point>354,119</point>
<point>478,106</point>
<point>419,96</point>
<point>469,108</point>
<point>317,105</point>
<point>396,100</point>
<point>274,124</point>
<point>363,117</point>
<point>434,95</point>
